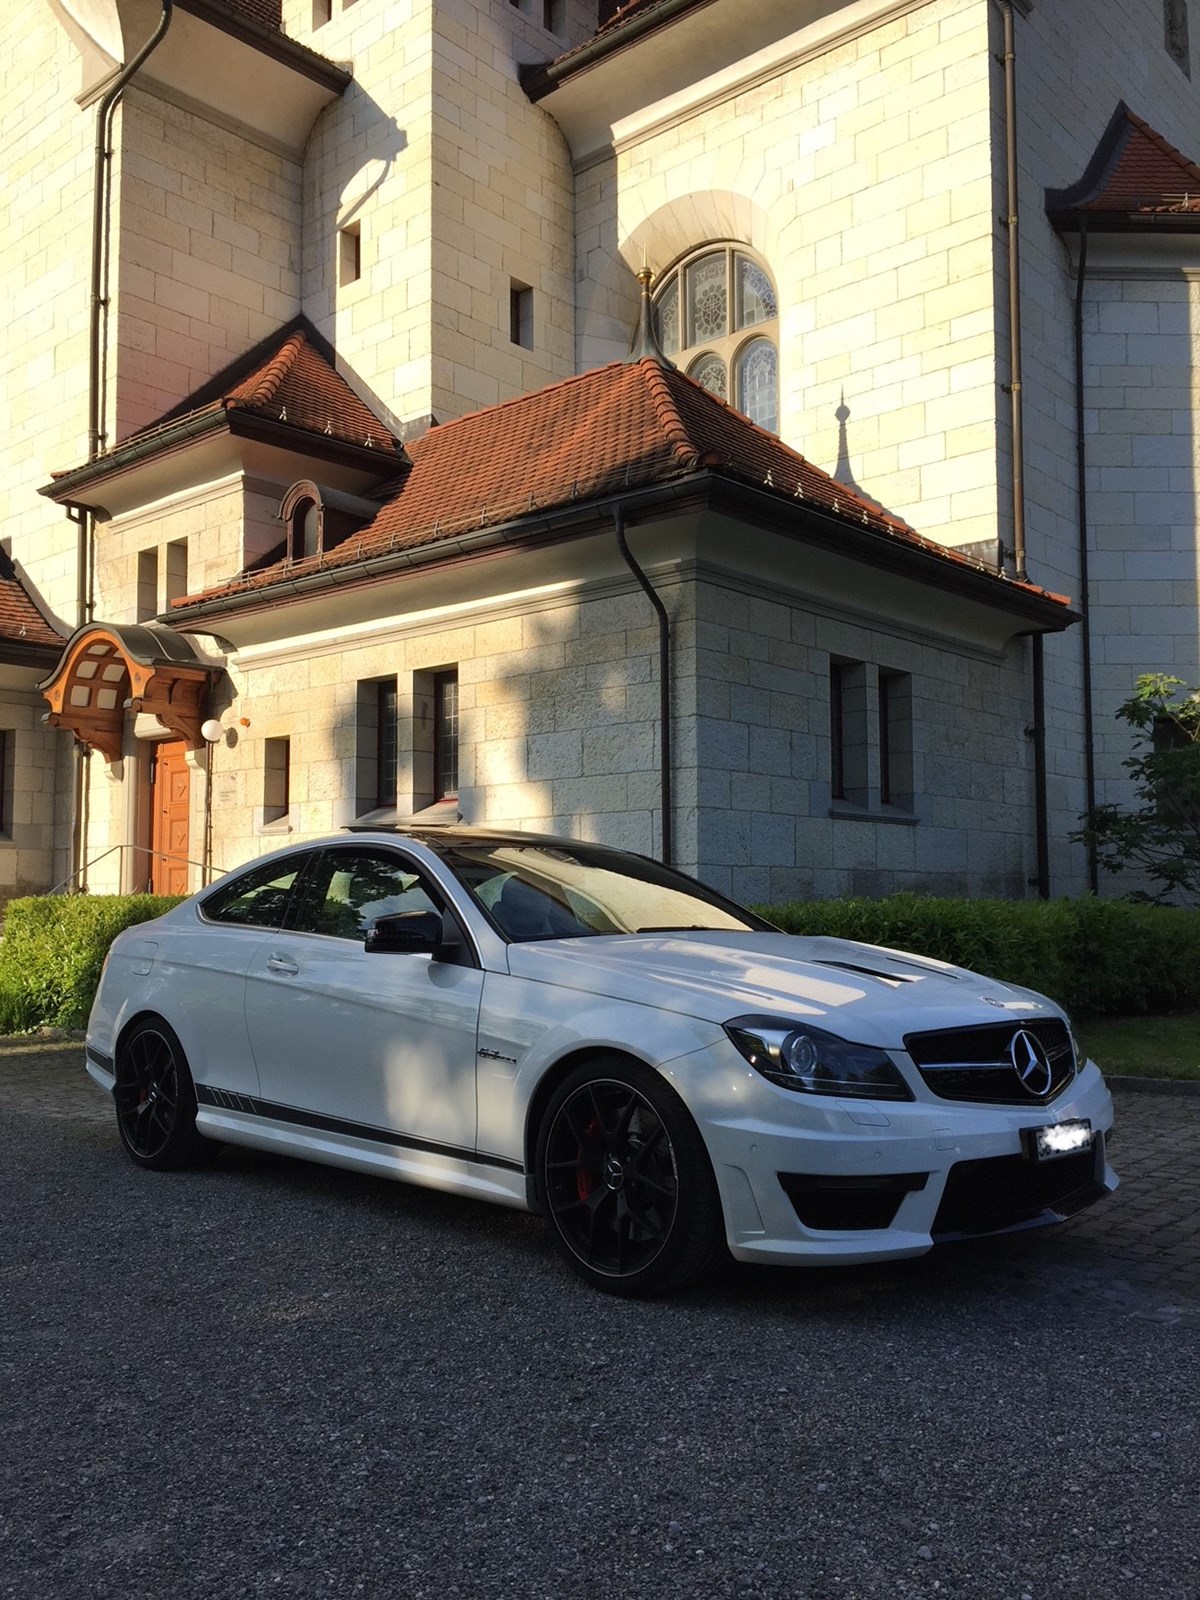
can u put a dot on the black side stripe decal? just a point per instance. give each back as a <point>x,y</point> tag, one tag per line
<point>251,1106</point>
<point>98,1058</point>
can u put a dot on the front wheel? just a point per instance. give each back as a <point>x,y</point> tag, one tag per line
<point>625,1181</point>
<point>155,1098</point>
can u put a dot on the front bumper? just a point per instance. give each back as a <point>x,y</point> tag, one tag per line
<point>803,1178</point>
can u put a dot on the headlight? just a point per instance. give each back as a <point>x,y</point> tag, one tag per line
<point>797,1056</point>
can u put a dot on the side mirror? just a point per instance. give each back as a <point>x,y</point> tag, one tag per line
<point>404,933</point>
<point>416,933</point>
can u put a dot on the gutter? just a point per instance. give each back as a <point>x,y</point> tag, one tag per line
<point>1012,220</point>
<point>1085,604</point>
<point>706,487</point>
<point>540,79</point>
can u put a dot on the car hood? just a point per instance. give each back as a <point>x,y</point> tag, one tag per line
<point>861,992</point>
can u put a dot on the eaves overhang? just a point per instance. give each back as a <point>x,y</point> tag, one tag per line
<point>1030,608</point>
<point>214,59</point>
<point>87,485</point>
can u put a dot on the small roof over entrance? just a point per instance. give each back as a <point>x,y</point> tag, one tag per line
<point>107,671</point>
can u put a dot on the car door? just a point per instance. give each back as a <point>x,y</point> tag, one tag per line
<point>199,981</point>
<point>371,1046</point>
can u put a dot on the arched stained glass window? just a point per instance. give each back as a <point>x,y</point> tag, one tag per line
<point>705,307</point>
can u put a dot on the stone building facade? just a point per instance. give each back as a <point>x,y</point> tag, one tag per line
<point>314,407</point>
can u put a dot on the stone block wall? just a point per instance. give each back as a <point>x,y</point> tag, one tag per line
<point>457,189</point>
<point>206,225</point>
<point>857,162</point>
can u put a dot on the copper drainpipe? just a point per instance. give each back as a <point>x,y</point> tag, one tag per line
<point>85,583</point>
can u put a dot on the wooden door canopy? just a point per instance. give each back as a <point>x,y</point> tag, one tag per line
<point>107,671</point>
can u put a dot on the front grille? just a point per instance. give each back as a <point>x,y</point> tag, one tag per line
<point>845,1205</point>
<point>976,1064</point>
<point>1006,1191</point>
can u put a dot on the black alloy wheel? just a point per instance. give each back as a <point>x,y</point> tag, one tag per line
<point>625,1181</point>
<point>155,1098</point>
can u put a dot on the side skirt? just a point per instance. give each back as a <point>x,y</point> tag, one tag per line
<point>284,1130</point>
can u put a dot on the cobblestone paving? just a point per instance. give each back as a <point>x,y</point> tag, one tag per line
<point>1141,1247</point>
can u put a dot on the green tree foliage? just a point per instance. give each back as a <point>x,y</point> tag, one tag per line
<point>1159,836</point>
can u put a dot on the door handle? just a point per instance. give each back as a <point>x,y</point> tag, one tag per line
<point>282,964</point>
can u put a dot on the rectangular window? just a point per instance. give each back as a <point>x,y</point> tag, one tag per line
<point>1175,25</point>
<point>553,15</point>
<point>520,315</point>
<point>350,253</point>
<point>377,745</point>
<point>277,762</point>
<point>848,746</point>
<point>445,735</point>
<point>147,585</point>
<point>7,754</point>
<point>322,12</point>
<point>895,739</point>
<point>177,570</point>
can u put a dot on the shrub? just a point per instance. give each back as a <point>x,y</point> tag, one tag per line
<point>53,949</point>
<point>1095,957</point>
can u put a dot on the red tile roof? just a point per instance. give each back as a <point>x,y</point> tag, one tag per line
<point>21,623</point>
<point>625,426</point>
<point>268,12</point>
<point>1135,175</point>
<point>289,379</point>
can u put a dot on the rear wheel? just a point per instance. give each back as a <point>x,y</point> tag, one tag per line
<point>155,1098</point>
<point>626,1182</point>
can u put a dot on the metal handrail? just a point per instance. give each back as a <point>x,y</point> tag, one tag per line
<point>141,849</point>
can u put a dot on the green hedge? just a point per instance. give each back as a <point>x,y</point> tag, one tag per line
<point>53,949</point>
<point>1095,957</point>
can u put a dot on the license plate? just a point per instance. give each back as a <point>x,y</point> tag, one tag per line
<point>1059,1139</point>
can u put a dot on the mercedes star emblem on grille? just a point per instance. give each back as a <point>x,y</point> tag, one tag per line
<point>1031,1063</point>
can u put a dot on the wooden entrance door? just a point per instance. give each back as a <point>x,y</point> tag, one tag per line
<point>170,803</point>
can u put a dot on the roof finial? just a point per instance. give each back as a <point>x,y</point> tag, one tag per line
<point>645,340</point>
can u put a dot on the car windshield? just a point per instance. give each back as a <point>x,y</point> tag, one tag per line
<point>544,891</point>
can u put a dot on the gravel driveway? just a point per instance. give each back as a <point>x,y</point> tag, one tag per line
<point>266,1378</point>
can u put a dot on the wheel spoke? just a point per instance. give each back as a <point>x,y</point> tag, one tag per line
<point>609,1173</point>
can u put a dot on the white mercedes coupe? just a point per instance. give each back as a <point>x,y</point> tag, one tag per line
<point>587,1034</point>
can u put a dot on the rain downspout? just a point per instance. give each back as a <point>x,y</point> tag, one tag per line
<point>97,330</point>
<point>664,686</point>
<point>1020,570</point>
<point>1085,626</point>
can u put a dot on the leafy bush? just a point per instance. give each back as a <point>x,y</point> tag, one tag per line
<point>1159,835</point>
<point>1095,957</point>
<point>53,949</point>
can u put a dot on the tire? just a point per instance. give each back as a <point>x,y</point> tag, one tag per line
<point>155,1098</point>
<point>625,1181</point>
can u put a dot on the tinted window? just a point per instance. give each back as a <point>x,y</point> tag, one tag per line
<point>544,891</point>
<point>350,888</point>
<point>258,898</point>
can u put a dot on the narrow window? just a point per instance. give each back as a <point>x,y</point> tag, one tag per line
<point>147,585</point>
<point>350,253</point>
<point>895,739</point>
<point>1175,24</point>
<point>322,12</point>
<point>553,15</point>
<point>7,740</point>
<point>520,315</point>
<point>277,763</point>
<point>304,530</point>
<point>177,569</point>
<point>848,731</point>
<point>445,735</point>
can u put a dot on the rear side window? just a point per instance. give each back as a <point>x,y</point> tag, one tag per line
<point>256,899</point>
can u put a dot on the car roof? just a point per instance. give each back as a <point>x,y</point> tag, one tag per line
<point>442,835</point>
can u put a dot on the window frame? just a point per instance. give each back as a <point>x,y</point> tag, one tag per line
<point>729,348</point>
